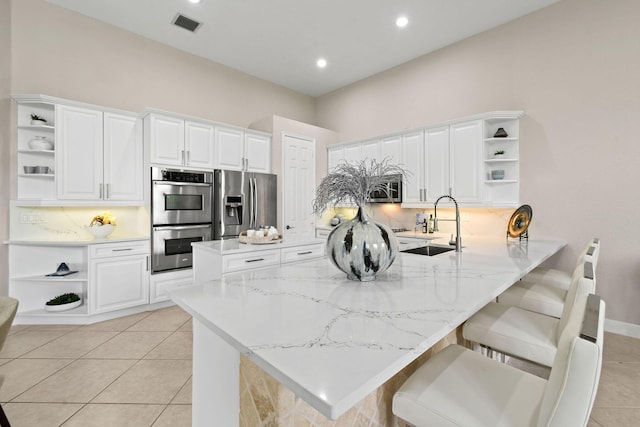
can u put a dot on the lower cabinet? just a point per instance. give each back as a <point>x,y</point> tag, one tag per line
<point>107,276</point>
<point>210,265</point>
<point>162,283</point>
<point>118,276</point>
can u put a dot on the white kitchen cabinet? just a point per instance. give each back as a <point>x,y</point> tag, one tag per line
<point>505,191</point>
<point>239,149</point>
<point>29,265</point>
<point>390,150</point>
<point>79,143</point>
<point>465,148</point>
<point>353,154</point>
<point>445,160</point>
<point>123,177</point>
<point>301,253</point>
<point>199,145</point>
<point>175,141</point>
<point>453,158</point>
<point>370,151</point>
<point>98,155</point>
<point>31,185</point>
<point>412,145</point>
<point>437,163</point>
<point>118,276</point>
<point>166,139</point>
<point>335,155</point>
<point>322,233</point>
<point>161,283</point>
<point>257,152</point>
<point>211,264</point>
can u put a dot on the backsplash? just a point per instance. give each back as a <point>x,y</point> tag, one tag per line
<point>474,221</point>
<point>68,223</point>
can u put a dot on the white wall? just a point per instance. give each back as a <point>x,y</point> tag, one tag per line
<point>573,68</point>
<point>61,53</point>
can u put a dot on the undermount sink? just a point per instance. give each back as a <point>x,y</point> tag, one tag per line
<point>429,250</point>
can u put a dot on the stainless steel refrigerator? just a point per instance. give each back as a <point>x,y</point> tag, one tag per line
<point>242,201</point>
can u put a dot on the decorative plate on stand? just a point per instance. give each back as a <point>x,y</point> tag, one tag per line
<point>519,222</point>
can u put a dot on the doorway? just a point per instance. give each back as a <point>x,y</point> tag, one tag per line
<point>299,176</point>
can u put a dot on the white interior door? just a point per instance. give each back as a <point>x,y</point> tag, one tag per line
<point>299,176</point>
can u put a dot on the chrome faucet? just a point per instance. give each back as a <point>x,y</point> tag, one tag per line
<point>457,220</point>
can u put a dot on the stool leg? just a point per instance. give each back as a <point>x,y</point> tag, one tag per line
<point>4,422</point>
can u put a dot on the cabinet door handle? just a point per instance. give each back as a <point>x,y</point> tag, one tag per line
<point>254,260</point>
<point>182,154</point>
<point>100,191</point>
<point>108,187</point>
<point>305,253</point>
<point>147,262</point>
<point>121,250</point>
<point>188,156</point>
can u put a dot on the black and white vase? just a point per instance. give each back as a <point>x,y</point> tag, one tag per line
<point>362,248</point>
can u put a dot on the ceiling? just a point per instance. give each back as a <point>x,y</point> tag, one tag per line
<point>281,40</point>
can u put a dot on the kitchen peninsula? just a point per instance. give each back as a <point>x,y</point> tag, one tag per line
<point>333,341</point>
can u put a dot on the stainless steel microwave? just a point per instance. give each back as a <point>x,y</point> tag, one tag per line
<point>392,192</point>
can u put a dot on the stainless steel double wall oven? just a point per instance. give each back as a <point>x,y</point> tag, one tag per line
<point>181,214</point>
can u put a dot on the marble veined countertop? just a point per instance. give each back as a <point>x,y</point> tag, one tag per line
<point>331,340</point>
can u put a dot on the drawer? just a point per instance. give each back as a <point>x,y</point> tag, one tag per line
<point>322,233</point>
<point>119,249</point>
<point>163,282</point>
<point>248,261</point>
<point>301,253</point>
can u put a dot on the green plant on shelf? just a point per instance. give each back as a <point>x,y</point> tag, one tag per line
<point>64,299</point>
<point>499,153</point>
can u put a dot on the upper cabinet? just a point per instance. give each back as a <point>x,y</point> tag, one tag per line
<point>80,154</point>
<point>460,158</point>
<point>178,142</point>
<point>36,149</point>
<point>501,154</point>
<point>99,155</point>
<point>200,144</point>
<point>242,149</point>
<point>388,149</point>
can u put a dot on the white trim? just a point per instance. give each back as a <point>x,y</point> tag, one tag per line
<point>622,328</point>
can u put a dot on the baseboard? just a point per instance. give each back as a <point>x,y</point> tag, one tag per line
<point>622,328</point>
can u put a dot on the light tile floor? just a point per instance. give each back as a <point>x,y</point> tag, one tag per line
<point>136,371</point>
<point>132,371</point>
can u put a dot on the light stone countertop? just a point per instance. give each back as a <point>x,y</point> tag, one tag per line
<point>331,340</point>
<point>78,242</point>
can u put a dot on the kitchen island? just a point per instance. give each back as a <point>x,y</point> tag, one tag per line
<point>333,341</point>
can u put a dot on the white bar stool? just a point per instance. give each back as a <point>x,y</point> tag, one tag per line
<point>560,278</point>
<point>460,387</point>
<point>522,333</point>
<point>546,292</point>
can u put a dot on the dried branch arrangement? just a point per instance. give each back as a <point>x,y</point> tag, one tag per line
<point>353,183</point>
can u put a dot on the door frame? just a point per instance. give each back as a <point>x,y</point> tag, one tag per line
<point>307,138</point>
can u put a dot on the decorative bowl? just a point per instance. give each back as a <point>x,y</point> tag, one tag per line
<point>497,174</point>
<point>40,143</point>
<point>63,307</point>
<point>100,231</point>
<point>42,169</point>
<point>29,169</point>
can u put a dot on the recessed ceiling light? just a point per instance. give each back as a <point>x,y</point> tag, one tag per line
<point>194,1</point>
<point>321,63</point>
<point>402,21</point>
